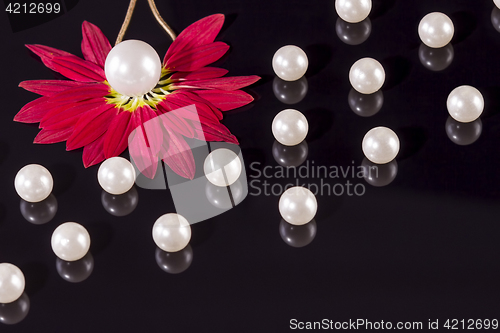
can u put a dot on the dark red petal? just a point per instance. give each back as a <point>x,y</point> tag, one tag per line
<point>81,93</point>
<point>116,137</point>
<point>53,136</point>
<point>213,132</point>
<point>78,69</point>
<point>34,111</point>
<point>95,46</point>
<point>93,153</point>
<point>178,156</point>
<point>47,53</point>
<point>200,74</point>
<point>49,87</point>
<point>205,108</point>
<point>199,33</point>
<point>224,83</point>
<point>91,126</point>
<point>225,100</point>
<point>180,105</point>
<point>197,57</point>
<point>67,115</point>
<point>141,154</point>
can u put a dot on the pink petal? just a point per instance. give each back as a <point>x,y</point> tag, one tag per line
<point>53,136</point>
<point>116,137</point>
<point>95,46</point>
<point>141,154</point>
<point>67,115</point>
<point>224,83</point>
<point>91,126</point>
<point>78,69</point>
<point>206,110</point>
<point>199,33</point>
<point>153,128</point>
<point>178,156</point>
<point>177,124</point>
<point>200,74</point>
<point>213,132</point>
<point>47,53</point>
<point>34,111</point>
<point>49,87</point>
<point>197,57</point>
<point>225,100</point>
<point>93,153</point>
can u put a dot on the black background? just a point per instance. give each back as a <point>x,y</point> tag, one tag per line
<point>424,247</point>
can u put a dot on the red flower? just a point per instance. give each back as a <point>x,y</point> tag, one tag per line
<point>86,112</point>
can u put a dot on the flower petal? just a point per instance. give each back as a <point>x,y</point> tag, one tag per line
<point>95,46</point>
<point>153,128</point>
<point>224,83</point>
<point>78,69</point>
<point>93,153</point>
<point>197,57</point>
<point>116,137</point>
<point>200,74</point>
<point>84,92</point>
<point>177,124</point>
<point>49,87</point>
<point>53,136</point>
<point>141,154</point>
<point>178,155</point>
<point>34,111</point>
<point>225,100</point>
<point>90,127</point>
<point>47,53</point>
<point>205,109</point>
<point>199,33</point>
<point>67,115</point>
<point>213,132</point>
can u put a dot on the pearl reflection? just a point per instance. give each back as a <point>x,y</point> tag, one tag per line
<point>495,18</point>
<point>463,133</point>
<point>220,197</point>
<point>290,92</point>
<point>365,105</point>
<point>290,156</point>
<point>298,235</point>
<point>353,33</point>
<point>39,212</point>
<point>174,262</point>
<point>379,174</point>
<point>75,271</point>
<point>121,204</point>
<point>436,59</point>
<point>14,312</point>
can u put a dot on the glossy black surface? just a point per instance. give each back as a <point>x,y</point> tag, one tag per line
<point>423,247</point>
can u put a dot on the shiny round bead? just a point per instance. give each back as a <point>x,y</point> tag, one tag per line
<point>70,241</point>
<point>222,167</point>
<point>465,104</point>
<point>380,145</point>
<point>367,75</point>
<point>171,232</point>
<point>290,63</point>
<point>33,183</point>
<point>298,205</point>
<point>133,68</point>
<point>116,175</point>
<point>497,3</point>
<point>11,283</point>
<point>290,127</point>
<point>436,29</point>
<point>353,11</point>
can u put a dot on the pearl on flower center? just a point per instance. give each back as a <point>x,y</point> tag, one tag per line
<point>11,283</point>
<point>33,183</point>
<point>222,167</point>
<point>290,63</point>
<point>367,75</point>
<point>133,68</point>
<point>171,232</point>
<point>298,205</point>
<point>290,127</point>
<point>116,175</point>
<point>70,241</point>
<point>465,104</point>
<point>380,145</point>
<point>353,11</point>
<point>436,29</point>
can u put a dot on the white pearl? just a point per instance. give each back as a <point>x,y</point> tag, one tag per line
<point>290,127</point>
<point>290,63</point>
<point>11,283</point>
<point>380,145</point>
<point>132,68</point>
<point>116,175</point>
<point>33,183</point>
<point>222,167</point>
<point>465,104</point>
<point>298,205</point>
<point>367,75</point>
<point>436,29</point>
<point>353,11</point>
<point>171,232</point>
<point>70,241</point>
<point>497,3</point>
